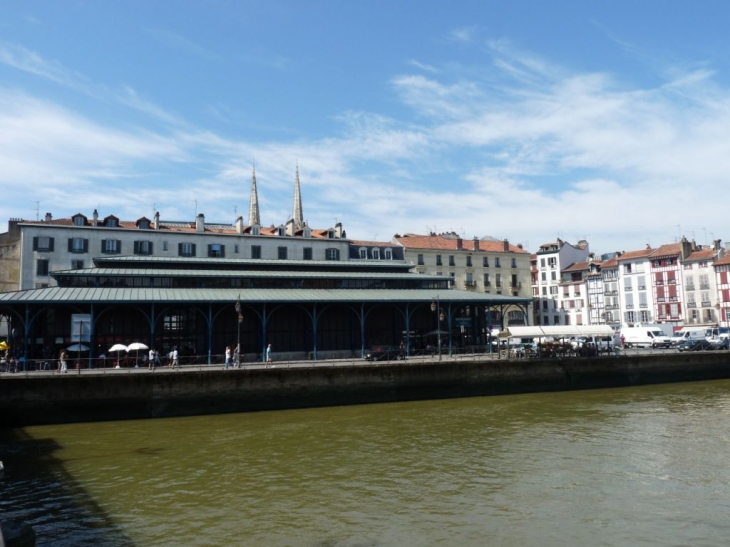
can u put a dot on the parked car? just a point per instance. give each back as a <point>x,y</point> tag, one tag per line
<point>720,343</point>
<point>384,353</point>
<point>695,345</point>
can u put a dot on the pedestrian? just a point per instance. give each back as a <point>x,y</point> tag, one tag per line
<point>173,358</point>
<point>622,340</point>
<point>102,360</point>
<point>402,348</point>
<point>151,359</point>
<point>157,362</point>
<point>268,355</point>
<point>228,357</point>
<point>62,366</point>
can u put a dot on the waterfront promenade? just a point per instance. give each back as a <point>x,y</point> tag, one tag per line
<point>42,397</point>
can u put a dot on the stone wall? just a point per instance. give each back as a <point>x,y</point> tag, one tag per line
<point>26,400</point>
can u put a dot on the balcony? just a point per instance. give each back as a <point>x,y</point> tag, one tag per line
<point>690,287</point>
<point>704,286</point>
<point>706,304</point>
<point>468,283</point>
<point>611,306</point>
<point>610,293</point>
<point>672,282</point>
<point>691,304</point>
<point>659,282</point>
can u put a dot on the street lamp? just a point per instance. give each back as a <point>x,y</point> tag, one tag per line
<point>436,308</point>
<point>238,335</point>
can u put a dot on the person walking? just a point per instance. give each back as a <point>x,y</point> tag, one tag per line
<point>228,358</point>
<point>151,359</point>
<point>173,358</point>
<point>268,355</point>
<point>157,362</point>
<point>63,367</point>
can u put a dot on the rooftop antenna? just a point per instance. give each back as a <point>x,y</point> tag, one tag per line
<point>196,208</point>
<point>37,208</point>
<point>705,230</point>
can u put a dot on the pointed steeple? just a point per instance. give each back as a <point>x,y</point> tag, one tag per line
<point>253,208</point>
<point>297,215</point>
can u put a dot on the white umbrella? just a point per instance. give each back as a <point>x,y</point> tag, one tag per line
<point>118,348</point>
<point>136,346</point>
<point>78,347</point>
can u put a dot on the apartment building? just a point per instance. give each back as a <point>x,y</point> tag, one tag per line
<point>551,259</point>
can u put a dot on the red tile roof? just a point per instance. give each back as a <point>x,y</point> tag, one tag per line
<point>628,255</point>
<point>671,249</point>
<point>436,242</point>
<point>701,255</point>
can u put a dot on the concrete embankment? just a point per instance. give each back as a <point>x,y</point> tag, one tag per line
<point>44,399</point>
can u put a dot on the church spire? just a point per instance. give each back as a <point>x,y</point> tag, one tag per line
<point>253,208</point>
<point>297,214</point>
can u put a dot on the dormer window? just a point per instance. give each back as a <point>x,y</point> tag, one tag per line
<point>388,254</point>
<point>330,234</point>
<point>282,231</point>
<point>79,220</point>
<point>376,254</point>
<point>111,222</point>
<point>363,253</point>
<point>143,224</point>
<point>255,230</point>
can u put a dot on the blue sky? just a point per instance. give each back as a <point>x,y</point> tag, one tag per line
<point>530,120</point>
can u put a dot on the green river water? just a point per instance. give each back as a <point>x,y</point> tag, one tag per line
<point>635,466</point>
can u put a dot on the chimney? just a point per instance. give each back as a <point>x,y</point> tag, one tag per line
<point>290,228</point>
<point>459,244</point>
<point>506,245</point>
<point>339,233</point>
<point>476,243</point>
<point>49,218</point>
<point>95,216</point>
<point>200,223</point>
<point>239,225</point>
<point>686,248</point>
<point>156,222</point>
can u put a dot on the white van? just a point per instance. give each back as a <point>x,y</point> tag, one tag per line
<point>693,333</point>
<point>646,337</point>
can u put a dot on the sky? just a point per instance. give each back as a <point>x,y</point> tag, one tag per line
<point>525,120</point>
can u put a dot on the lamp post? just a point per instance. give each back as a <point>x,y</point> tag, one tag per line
<point>436,307</point>
<point>238,332</point>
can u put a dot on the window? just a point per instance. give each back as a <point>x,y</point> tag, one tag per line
<point>363,253</point>
<point>77,264</point>
<point>641,282</point>
<point>630,317</point>
<point>485,262</point>
<point>332,254</point>
<point>111,222</point>
<point>41,267</point>
<point>281,253</point>
<point>388,254</point>
<point>164,245</point>
<point>43,244</point>
<point>143,248</point>
<point>376,254</point>
<point>542,262</point>
<point>144,224</point>
<point>78,245</point>
<point>487,282</point>
<point>497,264</point>
<point>255,251</point>
<point>111,246</point>
<point>644,317</point>
<point>469,280</point>
<point>543,276</point>
<point>420,259</point>
<point>216,250</point>
<point>307,253</point>
<point>627,284</point>
<point>554,276</point>
<point>514,262</point>
<point>514,281</point>
<point>235,249</point>
<point>451,260</point>
<point>642,300</point>
<point>468,261</point>
<point>438,260</point>
<point>627,268</point>
<point>545,305</point>
<point>186,249</point>
<point>498,280</point>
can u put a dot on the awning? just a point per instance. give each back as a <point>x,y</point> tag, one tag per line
<point>560,331</point>
<point>524,332</point>
<point>596,330</point>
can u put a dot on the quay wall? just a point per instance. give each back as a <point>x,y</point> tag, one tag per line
<point>45,399</point>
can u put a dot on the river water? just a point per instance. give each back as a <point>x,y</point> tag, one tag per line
<point>633,466</point>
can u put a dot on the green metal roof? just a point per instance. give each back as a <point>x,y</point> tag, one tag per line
<point>267,274</point>
<point>335,264</point>
<point>67,295</point>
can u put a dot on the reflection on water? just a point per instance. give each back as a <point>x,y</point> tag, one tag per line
<point>639,466</point>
